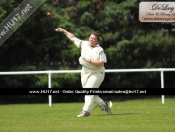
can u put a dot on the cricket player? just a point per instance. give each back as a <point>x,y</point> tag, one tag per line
<point>92,60</point>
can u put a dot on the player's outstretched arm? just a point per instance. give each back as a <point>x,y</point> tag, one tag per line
<point>69,35</point>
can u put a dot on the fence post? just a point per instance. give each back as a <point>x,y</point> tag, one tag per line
<point>49,85</point>
<point>162,86</point>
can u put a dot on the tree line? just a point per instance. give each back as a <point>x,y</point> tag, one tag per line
<point>127,42</point>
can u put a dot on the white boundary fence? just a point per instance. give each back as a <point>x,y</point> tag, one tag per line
<point>49,72</point>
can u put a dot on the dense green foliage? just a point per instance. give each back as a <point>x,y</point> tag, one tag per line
<point>128,43</point>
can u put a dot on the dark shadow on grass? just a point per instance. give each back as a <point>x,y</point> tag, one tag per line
<point>117,114</point>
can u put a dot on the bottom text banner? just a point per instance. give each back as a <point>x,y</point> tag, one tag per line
<point>87,91</point>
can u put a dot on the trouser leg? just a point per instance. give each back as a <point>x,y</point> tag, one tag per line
<point>89,101</point>
<point>98,101</point>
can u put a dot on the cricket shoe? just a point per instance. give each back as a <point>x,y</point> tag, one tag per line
<point>83,113</point>
<point>106,108</point>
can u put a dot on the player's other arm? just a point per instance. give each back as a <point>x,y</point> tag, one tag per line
<point>96,63</point>
<point>100,62</point>
<point>69,35</point>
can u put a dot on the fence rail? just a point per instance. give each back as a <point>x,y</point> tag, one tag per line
<point>50,72</point>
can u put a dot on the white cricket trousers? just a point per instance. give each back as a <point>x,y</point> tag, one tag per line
<point>92,79</point>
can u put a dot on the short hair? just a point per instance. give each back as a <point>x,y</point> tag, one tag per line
<point>97,33</point>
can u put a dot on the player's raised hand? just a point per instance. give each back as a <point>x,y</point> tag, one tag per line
<point>59,30</point>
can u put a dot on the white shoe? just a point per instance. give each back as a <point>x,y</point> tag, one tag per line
<point>106,108</point>
<point>83,113</point>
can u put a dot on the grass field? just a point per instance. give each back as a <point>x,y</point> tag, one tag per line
<point>146,115</point>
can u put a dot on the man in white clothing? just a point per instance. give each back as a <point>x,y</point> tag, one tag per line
<point>92,60</point>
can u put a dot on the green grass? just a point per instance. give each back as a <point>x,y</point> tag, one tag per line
<point>148,115</point>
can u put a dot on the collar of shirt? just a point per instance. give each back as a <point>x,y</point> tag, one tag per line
<point>97,45</point>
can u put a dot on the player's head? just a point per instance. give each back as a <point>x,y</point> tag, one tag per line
<point>94,38</point>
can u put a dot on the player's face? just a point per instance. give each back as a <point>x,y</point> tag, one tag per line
<point>93,40</point>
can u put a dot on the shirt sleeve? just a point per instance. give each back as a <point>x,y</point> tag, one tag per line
<point>78,42</point>
<point>103,57</point>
